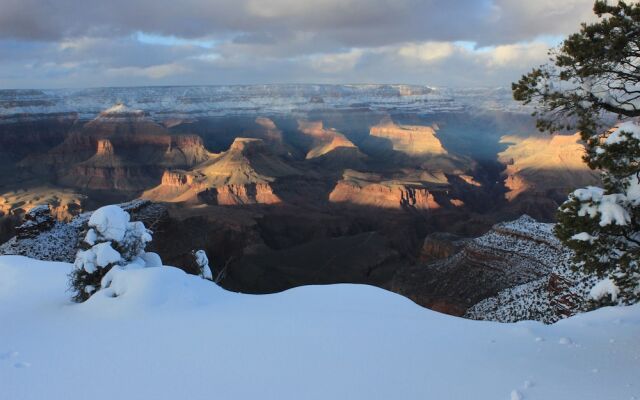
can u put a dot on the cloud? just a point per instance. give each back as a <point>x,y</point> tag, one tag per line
<point>428,52</point>
<point>124,42</point>
<point>337,62</point>
<point>366,22</point>
<point>522,55</point>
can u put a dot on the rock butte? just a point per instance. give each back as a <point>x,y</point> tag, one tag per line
<point>367,189</point>
<point>121,149</point>
<point>324,140</point>
<point>241,175</point>
<point>409,139</point>
<point>543,164</point>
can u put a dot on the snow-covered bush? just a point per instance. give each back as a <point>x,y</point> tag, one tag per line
<point>111,241</point>
<point>602,225</point>
<point>202,261</point>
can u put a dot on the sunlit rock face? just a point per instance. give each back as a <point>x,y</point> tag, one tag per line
<point>241,175</point>
<point>63,204</point>
<point>332,149</point>
<point>547,165</point>
<point>408,139</point>
<point>372,190</point>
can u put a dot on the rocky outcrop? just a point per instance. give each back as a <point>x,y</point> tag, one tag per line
<point>179,179</point>
<point>509,255</point>
<point>439,246</point>
<point>330,146</point>
<point>105,148</point>
<point>241,175</point>
<point>409,139</point>
<point>258,193</point>
<point>184,151</point>
<point>366,189</point>
<point>559,293</point>
<point>271,131</point>
<point>121,149</point>
<point>324,140</point>
<point>383,195</point>
<point>64,204</point>
<point>549,165</point>
<point>36,221</point>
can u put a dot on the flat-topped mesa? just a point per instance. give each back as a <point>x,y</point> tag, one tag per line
<point>412,140</point>
<point>547,165</point>
<point>371,190</point>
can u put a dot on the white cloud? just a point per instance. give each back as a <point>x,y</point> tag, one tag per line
<point>517,55</point>
<point>428,52</point>
<point>336,62</point>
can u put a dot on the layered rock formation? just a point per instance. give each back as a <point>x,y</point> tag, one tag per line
<point>411,140</point>
<point>560,293</point>
<point>330,146</point>
<point>241,175</point>
<point>63,203</point>
<point>407,189</point>
<point>461,273</point>
<point>266,129</point>
<point>121,149</point>
<point>366,189</point>
<point>549,165</point>
<point>270,130</point>
<point>415,146</point>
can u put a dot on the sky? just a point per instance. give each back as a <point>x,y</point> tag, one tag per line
<point>89,43</point>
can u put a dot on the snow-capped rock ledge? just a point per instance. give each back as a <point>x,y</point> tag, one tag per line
<point>168,335</point>
<point>558,294</point>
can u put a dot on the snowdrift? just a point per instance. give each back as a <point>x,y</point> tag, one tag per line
<point>168,335</point>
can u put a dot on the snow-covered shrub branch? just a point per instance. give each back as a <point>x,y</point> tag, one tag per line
<point>111,241</point>
<point>602,225</point>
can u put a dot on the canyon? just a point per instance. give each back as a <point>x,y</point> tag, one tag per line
<point>374,191</point>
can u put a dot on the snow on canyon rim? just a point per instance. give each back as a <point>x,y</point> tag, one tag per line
<point>169,335</point>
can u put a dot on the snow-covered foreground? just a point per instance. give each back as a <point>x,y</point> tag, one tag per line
<point>169,335</point>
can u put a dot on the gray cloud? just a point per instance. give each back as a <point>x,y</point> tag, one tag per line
<point>46,43</point>
<point>350,22</point>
